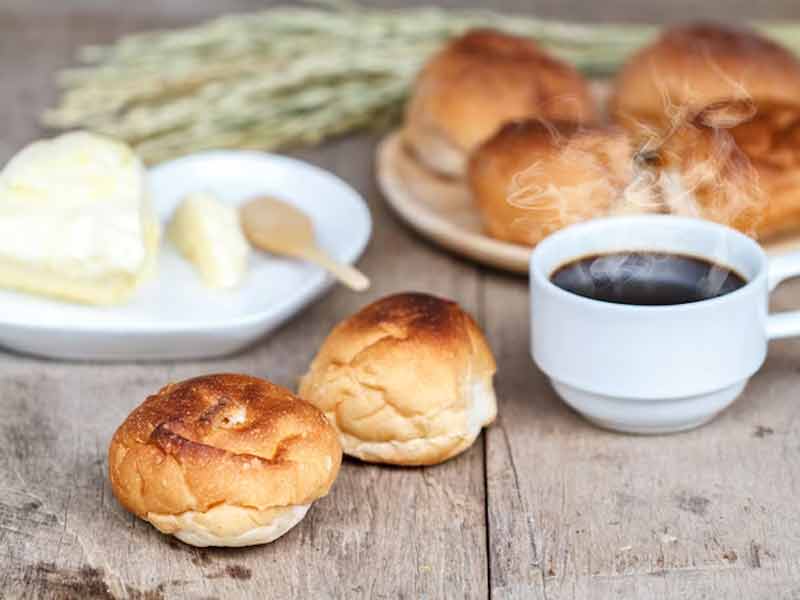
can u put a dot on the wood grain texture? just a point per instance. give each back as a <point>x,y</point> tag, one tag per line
<point>381,533</point>
<point>577,512</point>
<point>565,510</point>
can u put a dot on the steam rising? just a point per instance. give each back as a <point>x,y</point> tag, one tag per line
<point>578,175</point>
<point>692,167</point>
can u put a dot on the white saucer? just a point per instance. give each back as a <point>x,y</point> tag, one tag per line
<point>174,316</point>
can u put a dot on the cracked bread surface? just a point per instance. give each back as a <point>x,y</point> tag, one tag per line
<point>224,440</point>
<point>407,380</point>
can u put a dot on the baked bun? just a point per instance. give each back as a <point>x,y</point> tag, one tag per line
<point>771,141</point>
<point>406,381</point>
<point>699,171</point>
<point>533,178</point>
<point>477,83</point>
<point>694,66</point>
<point>223,460</point>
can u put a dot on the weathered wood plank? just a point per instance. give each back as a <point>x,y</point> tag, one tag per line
<point>573,512</point>
<point>773,584</point>
<point>710,510</point>
<point>381,533</point>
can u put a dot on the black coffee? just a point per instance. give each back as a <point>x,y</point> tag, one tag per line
<point>646,278</point>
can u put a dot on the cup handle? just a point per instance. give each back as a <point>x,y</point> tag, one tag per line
<point>783,324</point>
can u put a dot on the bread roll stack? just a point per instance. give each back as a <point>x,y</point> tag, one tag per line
<point>477,83</point>
<point>705,127</point>
<point>693,67</point>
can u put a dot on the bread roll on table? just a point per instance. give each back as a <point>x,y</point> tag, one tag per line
<point>407,381</point>
<point>691,67</point>
<point>477,83</point>
<point>223,460</point>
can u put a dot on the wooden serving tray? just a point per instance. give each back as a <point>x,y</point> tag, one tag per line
<point>442,210</point>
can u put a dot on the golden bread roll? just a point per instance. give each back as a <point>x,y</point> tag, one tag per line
<point>223,460</point>
<point>694,66</point>
<point>407,381</point>
<point>772,143</point>
<point>477,83</point>
<point>533,178</point>
<point>699,171</point>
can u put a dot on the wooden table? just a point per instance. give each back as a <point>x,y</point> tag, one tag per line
<point>543,506</point>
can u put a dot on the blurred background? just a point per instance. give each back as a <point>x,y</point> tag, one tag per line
<point>177,11</point>
<point>49,33</point>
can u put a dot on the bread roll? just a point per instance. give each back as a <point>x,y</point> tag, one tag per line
<point>694,66</point>
<point>406,381</point>
<point>223,460</point>
<point>533,178</point>
<point>478,82</point>
<point>699,171</point>
<point>771,141</point>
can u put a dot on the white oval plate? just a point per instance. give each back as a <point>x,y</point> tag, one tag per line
<point>174,316</point>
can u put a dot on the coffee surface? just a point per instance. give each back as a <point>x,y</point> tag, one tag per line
<point>646,278</point>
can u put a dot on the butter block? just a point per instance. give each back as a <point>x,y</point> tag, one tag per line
<point>208,233</point>
<point>76,221</point>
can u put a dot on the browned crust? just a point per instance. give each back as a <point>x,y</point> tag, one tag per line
<point>771,141</point>
<point>398,370</point>
<point>485,78</point>
<point>417,322</point>
<point>724,185</point>
<point>693,66</point>
<point>584,167</point>
<point>696,65</point>
<point>182,449</point>
<point>412,315</point>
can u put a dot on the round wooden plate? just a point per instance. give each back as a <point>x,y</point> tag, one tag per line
<point>441,209</point>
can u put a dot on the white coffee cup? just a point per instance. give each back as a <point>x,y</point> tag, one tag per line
<point>655,369</point>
